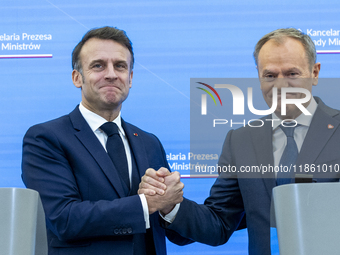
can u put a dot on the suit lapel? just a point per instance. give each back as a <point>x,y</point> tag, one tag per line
<point>137,147</point>
<point>263,147</point>
<point>91,143</point>
<point>321,129</point>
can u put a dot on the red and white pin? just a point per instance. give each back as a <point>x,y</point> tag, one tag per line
<point>330,126</point>
<point>135,134</point>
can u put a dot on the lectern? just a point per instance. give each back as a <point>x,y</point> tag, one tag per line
<point>308,218</point>
<point>22,223</point>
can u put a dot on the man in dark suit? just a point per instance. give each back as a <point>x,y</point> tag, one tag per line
<point>91,206</point>
<point>284,58</point>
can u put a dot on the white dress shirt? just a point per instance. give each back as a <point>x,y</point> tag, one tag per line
<point>95,121</point>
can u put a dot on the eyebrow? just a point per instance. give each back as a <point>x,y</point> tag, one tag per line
<point>293,69</point>
<point>266,71</point>
<point>121,62</point>
<point>96,61</point>
<point>104,61</point>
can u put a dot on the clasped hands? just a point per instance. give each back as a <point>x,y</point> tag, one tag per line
<point>162,189</point>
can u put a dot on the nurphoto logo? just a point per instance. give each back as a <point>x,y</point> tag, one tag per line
<point>238,99</point>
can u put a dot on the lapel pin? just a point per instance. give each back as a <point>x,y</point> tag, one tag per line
<point>330,126</point>
<point>135,134</point>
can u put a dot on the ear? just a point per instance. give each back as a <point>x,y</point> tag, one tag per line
<point>77,78</point>
<point>315,73</point>
<point>131,76</point>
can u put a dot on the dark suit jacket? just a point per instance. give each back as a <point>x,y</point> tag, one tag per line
<point>235,200</point>
<point>87,210</point>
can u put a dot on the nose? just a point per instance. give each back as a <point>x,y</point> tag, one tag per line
<point>281,82</point>
<point>110,73</point>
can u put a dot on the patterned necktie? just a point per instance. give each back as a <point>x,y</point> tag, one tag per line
<point>289,156</point>
<point>116,150</point>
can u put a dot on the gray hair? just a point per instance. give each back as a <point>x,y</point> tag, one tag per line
<point>281,34</point>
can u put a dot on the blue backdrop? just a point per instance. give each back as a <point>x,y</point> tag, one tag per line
<point>173,42</point>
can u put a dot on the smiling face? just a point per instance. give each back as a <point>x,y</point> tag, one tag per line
<point>285,64</point>
<point>107,76</point>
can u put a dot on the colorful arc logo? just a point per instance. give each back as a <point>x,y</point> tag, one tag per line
<point>209,93</point>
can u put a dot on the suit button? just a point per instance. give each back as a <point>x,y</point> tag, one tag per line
<point>129,230</point>
<point>124,231</point>
<point>116,231</point>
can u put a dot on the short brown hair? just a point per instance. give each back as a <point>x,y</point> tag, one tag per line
<point>105,33</point>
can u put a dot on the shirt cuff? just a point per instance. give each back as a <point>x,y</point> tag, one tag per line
<point>170,217</point>
<point>145,210</point>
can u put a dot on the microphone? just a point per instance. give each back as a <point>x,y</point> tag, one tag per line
<point>303,178</point>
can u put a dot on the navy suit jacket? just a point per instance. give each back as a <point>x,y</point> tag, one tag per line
<point>87,209</point>
<point>236,202</point>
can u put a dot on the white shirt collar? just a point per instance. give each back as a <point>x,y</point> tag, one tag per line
<point>95,121</point>
<point>302,119</point>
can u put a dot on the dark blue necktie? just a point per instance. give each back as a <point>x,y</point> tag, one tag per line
<point>115,149</point>
<point>288,157</point>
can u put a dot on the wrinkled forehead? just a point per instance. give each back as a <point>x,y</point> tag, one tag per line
<point>281,44</point>
<point>283,47</point>
<point>96,48</point>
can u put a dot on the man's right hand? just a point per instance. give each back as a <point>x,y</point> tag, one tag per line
<point>162,189</point>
